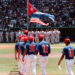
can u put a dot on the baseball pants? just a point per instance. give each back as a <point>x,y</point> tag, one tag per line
<point>30,62</point>
<point>69,64</point>
<point>43,60</point>
<point>18,63</point>
<point>21,65</point>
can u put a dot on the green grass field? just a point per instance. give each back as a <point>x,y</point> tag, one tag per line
<point>9,64</point>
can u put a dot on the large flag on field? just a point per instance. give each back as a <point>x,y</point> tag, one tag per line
<point>35,14</point>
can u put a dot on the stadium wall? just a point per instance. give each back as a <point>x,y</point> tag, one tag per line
<point>67,32</point>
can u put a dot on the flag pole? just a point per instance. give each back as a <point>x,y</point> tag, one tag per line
<point>27,16</point>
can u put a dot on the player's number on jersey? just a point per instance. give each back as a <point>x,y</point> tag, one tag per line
<point>45,48</point>
<point>32,48</point>
<point>71,53</point>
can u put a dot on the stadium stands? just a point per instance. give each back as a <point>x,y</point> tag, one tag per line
<point>14,12</point>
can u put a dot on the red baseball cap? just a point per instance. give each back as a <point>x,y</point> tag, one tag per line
<point>26,32</point>
<point>25,38</point>
<point>24,35</point>
<point>31,38</point>
<point>20,36</point>
<point>67,40</point>
<point>40,36</point>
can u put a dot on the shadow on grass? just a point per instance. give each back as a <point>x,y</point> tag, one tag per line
<point>14,71</point>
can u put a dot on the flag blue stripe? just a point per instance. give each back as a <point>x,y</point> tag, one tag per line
<point>40,14</point>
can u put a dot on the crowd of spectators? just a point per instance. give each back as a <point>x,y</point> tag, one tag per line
<point>63,10</point>
<point>13,13</point>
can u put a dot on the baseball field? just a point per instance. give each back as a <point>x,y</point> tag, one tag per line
<point>8,65</point>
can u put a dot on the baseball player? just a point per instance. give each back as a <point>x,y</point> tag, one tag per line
<point>20,55</point>
<point>31,33</point>
<point>58,37</point>
<point>21,52</point>
<point>7,36</point>
<point>18,33</point>
<point>47,35</point>
<point>30,58</point>
<point>42,32</point>
<point>1,36</point>
<point>26,32</point>
<point>36,36</point>
<point>16,53</point>
<point>69,53</point>
<point>12,36</point>
<point>44,50</point>
<point>52,36</point>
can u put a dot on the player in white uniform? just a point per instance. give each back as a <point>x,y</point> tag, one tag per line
<point>12,36</point>
<point>42,32</point>
<point>55,34</point>
<point>7,36</point>
<point>16,36</point>
<point>31,33</point>
<point>52,37</point>
<point>47,36</point>
<point>36,36</point>
<point>1,36</point>
<point>69,53</point>
<point>17,33</point>
<point>58,37</point>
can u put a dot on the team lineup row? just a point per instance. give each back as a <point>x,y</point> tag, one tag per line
<point>26,51</point>
<point>52,36</point>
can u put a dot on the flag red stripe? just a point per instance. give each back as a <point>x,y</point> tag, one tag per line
<point>37,20</point>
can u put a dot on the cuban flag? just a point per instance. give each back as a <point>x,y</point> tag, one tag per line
<point>35,15</point>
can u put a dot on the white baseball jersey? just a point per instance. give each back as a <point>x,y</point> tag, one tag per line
<point>31,33</point>
<point>7,36</point>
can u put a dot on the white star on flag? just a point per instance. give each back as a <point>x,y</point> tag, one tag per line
<point>31,9</point>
